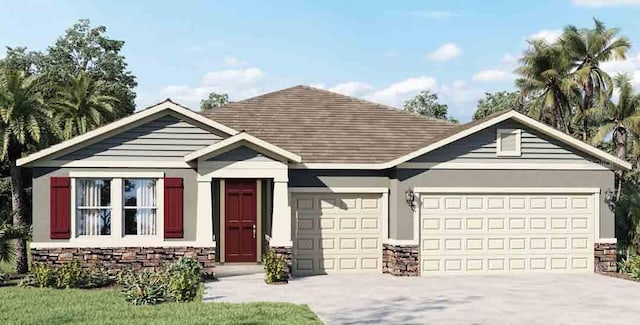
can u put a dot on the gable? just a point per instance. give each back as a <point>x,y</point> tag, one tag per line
<point>481,147</point>
<point>165,138</point>
<point>241,153</point>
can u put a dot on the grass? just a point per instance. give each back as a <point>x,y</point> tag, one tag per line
<point>107,306</point>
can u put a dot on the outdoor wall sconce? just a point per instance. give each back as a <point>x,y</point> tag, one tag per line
<point>410,196</point>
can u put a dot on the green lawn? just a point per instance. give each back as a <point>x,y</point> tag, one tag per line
<point>71,306</point>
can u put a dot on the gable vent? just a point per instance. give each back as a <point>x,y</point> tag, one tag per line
<point>508,142</point>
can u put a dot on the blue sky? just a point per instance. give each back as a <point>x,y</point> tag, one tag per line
<point>378,50</point>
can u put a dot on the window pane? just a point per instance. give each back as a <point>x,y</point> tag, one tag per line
<point>140,221</point>
<point>139,192</point>
<point>94,222</point>
<point>93,192</point>
<point>140,199</point>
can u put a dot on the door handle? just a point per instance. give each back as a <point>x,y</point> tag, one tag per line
<point>254,231</point>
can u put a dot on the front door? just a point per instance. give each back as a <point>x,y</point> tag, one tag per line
<point>240,220</point>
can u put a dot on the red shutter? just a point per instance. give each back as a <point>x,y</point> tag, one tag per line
<point>60,189</point>
<point>173,207</point>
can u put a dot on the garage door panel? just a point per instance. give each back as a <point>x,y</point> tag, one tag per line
<point>345,230</point>
<point>480,233</point>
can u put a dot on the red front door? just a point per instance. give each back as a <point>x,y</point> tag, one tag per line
<point>240,220</point>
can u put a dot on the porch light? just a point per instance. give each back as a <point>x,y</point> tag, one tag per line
<point>410,196</point>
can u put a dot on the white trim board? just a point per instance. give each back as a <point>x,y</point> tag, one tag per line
<point>339,190</point>
<point>239,138</point>
<point>488,190</point>
<point>165,106</point>
<point>501,166</point>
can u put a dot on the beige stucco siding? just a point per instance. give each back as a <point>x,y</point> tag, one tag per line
<point>41,197</point>
<point>401,216</point>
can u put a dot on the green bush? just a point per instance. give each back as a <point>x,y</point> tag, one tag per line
<point>183,280</point>
<point>273,266</point>
<point>145,288</point>
<point>631,266</point>
<point>69,275</point>
<point>3,278</point>
<point>177,282</point>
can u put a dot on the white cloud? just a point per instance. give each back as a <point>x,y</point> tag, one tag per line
<point>492,75</point>
<point>436,14</point>
<point>396,93</point>
<point>548,35</point>
<point>231,61</point>
<point>445,52</point>
<point>631,66</point>
<point>606,3</point>
<point>238,83</point>
<point>352,88</point>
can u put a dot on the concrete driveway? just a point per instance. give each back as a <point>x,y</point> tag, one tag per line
<point>504,299</point>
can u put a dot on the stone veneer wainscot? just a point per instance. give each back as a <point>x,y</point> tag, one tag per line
<point>605,257</point>
<point>125,258</point>
<point>400,260</point>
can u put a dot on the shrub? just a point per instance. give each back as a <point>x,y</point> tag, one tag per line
<point>3,278</point>
<point>41,276</point>
<point>177,282</point>
<point>183,279</point>
<point>273,266</point>
<point>145,288</point>
<point>631,266</point>
<point>69,275</point>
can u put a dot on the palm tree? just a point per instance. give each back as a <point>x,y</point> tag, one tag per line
<point>22,121</point>
<point>81,106</point>
<point>543,77</point>
<point>585,50</point>
<point>619,120</point>
<point>8,233</point>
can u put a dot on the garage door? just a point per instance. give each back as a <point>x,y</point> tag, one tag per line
<point>337,233</point>
<point>500,233</point>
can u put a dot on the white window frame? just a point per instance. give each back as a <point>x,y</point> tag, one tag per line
<point>117,237</point>
<point>155,208</point>
<point>503,153</point>
<point>75,206</point>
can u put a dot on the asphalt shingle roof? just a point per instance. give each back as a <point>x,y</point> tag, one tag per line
<point>326,127</point>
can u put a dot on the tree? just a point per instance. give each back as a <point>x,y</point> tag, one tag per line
<point>22,119</point>
<point>544,78</point>
<point>7,234</point>
<point>585,49</point>
<point>618,120</point>
<point>500,101</point>
<point>426,103</point>
<point>86,48</point>
<point>81,105</point>
<point>214,100</point>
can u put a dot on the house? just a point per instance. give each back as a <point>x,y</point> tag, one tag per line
<point>333,183</point>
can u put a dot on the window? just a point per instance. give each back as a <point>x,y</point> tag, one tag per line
<point>508,142</point>
<point>93,207</point>
<point>140,205</point>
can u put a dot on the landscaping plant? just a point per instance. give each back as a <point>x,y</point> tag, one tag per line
<point>630,265</point>
<point>274,266</point>
<point>69,275</point>
<point>177,282</point>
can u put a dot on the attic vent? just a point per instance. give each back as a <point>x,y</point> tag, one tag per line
<point>508,142</point>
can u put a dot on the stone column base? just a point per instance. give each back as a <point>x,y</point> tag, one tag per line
<point>114,260</point>
<point>400,260</point>
<point>605,258</point>
<point>287,254</point>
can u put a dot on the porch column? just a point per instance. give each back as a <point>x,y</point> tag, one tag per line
<point>281,223</point>
<point>204,229</point>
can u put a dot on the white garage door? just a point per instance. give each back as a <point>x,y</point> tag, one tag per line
<point>337,233</point>
<point>499,233</point>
